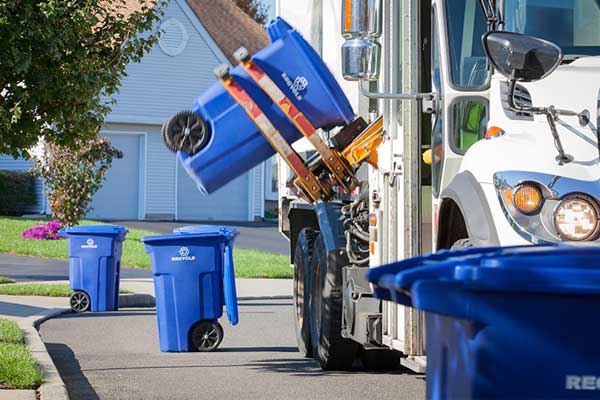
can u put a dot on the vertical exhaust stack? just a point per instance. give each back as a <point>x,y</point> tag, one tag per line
<point>361,27</point>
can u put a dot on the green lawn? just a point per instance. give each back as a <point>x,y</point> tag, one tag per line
<point>18,369</point>
<point>248,263</point>
<point>4,279</point>
<point>40,289</point>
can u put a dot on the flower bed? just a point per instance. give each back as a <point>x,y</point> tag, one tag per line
<point>48,231</point>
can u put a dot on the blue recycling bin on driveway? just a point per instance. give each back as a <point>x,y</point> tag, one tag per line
<point>193,278</point>
<point>505,323</point>
<point>94,266</point>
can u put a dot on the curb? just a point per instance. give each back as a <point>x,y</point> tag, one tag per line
<point>53,387</point>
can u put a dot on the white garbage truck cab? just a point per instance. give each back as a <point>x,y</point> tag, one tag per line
<point>490,115</point>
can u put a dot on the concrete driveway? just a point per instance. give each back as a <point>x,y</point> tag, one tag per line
<point>253,235</point>
<point>116,356</point>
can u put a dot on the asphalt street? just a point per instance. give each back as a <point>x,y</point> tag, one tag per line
<point>116,356</point>
<point>253,235</point>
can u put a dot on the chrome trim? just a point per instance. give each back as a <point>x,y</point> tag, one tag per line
<point>540,227</point>
<point>361,59</point>
<point>365,19</point>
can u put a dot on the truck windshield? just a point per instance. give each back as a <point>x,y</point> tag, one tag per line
<point>574,25</point>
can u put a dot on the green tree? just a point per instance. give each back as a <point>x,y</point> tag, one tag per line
<point>255,9</point>
<point>61,61</point>
<point>72,175</point>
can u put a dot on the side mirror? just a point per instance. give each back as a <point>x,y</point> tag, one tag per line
<point>521,57</point>
<point>361,26</point>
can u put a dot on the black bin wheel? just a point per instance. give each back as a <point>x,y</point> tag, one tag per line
<point>302,289</point>
<point>206,336</point>
<point>80,301</point>
<point>185,131</point>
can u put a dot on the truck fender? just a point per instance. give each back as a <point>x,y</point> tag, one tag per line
<point>466,193</point>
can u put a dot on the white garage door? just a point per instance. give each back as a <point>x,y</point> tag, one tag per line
<point>230,203</point>
<point>119,196</point>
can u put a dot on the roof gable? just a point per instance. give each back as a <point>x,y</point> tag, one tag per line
<point>229,26</point>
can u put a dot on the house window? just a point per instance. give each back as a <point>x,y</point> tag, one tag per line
<point>271,179</point>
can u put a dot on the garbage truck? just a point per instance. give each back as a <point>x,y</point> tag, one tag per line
<point>474,124</point>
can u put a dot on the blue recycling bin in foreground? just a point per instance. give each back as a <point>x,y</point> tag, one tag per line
<point>94,266</point>
<point>505,323</point>
<point>193,278</point>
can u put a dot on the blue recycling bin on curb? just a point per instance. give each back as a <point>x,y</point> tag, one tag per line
<point>235,143</point>
<point>94,266</point>
<point>193,279</point>
<point>505,323</point>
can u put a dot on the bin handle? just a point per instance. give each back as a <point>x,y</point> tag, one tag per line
<point>229,289</point>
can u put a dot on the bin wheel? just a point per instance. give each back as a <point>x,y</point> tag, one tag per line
<point>330,349</point>
<point>302,289</point>
<point>185,131</point>
<point>206,336</point>
<point>80,301</point>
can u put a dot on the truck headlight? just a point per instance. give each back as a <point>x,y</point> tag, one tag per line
<point>576,218</point>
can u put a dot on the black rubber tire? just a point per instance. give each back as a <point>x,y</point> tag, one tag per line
<point>330,349</point>
<point>79,301</point>
<point>206,336</point>
<point>302,289</point>
<point>185,131</point>
<point>378,360</point>
<point>464,243</point>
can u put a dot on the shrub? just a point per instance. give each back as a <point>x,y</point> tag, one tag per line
<point>43,231</point>
<point>73,175</point>
<point>17,192</point>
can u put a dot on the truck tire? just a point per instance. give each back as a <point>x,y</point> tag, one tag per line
<point>330,349</point>
<point>302,289</point>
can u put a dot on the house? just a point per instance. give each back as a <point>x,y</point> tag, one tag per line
<point>148,182</point>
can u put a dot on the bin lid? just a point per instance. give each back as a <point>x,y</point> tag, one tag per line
<point>208,230</point>
<point>552,268</point>
<point>93,230</point>
<point>227,234</point>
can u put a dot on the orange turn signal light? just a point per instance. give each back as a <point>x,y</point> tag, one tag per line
<point>372,219</point>
<point>493,131</point>
<point>527,199</point>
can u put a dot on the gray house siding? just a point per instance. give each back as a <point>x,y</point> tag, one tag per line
<point>161,84</point>
<point>148,183</point>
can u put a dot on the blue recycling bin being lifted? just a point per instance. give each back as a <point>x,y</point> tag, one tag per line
<point>94,266</point>
<point>193,278</point>
<point>505,323</point>
<point>235,143</point>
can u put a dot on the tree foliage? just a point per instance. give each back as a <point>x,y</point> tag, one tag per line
<point>72,175</point>
<point>60,60</point>
<point>255,9</point>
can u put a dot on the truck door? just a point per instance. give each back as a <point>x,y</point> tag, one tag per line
<point>461,78</point>
<point>461,75</point>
